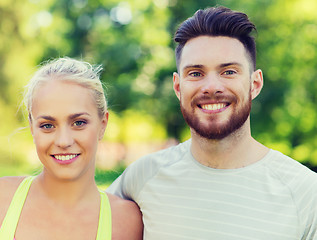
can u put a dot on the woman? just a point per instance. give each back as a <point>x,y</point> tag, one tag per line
<point>68,116</point>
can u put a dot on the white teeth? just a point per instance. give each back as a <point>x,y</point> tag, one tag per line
<point>65,157</point>
<point>216,106</point>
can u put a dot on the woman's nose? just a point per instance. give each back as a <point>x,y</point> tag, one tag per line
<point>64,138</point>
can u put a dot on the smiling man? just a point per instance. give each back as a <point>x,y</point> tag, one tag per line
<point>222,183</point>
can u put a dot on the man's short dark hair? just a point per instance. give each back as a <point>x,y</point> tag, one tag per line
<point>217,21</point>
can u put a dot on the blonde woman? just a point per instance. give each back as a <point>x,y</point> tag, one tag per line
<point>68,117</point>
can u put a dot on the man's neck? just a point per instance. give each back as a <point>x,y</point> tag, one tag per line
<point>238,150</point>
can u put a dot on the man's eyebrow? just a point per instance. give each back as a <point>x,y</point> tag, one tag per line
<point>230,64</point>
<point>193,66</point>
<point>222,65</point>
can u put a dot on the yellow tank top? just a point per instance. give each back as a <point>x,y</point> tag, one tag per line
<point>11,219</point>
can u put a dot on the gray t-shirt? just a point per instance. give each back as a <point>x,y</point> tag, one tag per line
<point>272,199</point>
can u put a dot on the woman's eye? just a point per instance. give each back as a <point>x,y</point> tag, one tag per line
<point>46,126</point>
<point>79,123</point>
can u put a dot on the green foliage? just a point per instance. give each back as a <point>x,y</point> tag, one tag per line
<point>106,177</point>
<point>286,109</point>
<point>133,41</point>
<point>134,126</point>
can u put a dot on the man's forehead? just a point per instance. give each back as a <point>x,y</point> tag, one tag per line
<point>204,50</point>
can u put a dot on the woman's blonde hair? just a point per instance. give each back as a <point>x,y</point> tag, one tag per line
<point>71,70</point>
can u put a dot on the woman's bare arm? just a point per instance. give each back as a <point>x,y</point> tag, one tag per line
<point>126,219</point>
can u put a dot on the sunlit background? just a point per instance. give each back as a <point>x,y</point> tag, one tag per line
<point>132,39</point>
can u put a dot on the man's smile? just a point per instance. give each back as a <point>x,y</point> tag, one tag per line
<point>213,106</point>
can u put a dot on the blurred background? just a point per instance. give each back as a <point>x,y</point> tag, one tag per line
<point>132,39</point>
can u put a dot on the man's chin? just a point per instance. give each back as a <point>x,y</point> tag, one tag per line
<point>217,128</point>
<point>212,131</point>
<point>213,134</point>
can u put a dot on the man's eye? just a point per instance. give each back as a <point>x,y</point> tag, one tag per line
<point>229,72</point>
<point>79,123</point>
<point>195,74</point>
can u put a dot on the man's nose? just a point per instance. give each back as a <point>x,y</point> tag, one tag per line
<point>212,84</point>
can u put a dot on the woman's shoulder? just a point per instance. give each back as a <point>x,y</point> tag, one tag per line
<point>8,186</point>
<point>126,219</point>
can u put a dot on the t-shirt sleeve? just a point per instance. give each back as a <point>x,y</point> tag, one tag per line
<point>302,184</point>
<point>131,181</point>
<point>117,187</point>
<point>308,211</point>
<point>124,185</point>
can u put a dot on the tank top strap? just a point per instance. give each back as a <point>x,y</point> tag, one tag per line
<point>11,219</point>
<point>105,223</point>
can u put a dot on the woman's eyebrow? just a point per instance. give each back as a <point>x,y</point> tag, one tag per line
<point>76,115</point>
<point>72,116</point>
<point>49,118</point>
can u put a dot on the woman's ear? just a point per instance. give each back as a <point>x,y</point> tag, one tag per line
<point>256,83</point>
<point>31,128</point>
<point>31,125</point>
<point>104,123</point>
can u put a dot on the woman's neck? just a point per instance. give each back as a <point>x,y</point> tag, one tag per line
<point>66,192</point>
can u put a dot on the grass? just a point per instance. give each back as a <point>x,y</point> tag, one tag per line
<point>18,170</point>
<point>103,177</point>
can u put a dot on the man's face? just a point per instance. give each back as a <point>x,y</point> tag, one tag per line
<point>215,85</point>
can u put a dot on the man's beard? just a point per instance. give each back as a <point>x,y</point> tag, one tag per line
<point>211,130</point>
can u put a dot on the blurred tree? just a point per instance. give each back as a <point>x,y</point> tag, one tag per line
<point>132,39</point>
<point>287,53</point>
<point>16,63</point>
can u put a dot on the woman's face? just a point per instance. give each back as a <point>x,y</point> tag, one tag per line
<point>66,129</point>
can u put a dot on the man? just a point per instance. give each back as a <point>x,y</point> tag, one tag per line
<point>221,184</point>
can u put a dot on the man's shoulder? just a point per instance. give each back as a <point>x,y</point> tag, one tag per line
<point>301,183</point>
<point>140,172</point>
<point>165,157</point>
<point>286,164</point>
<point>291,172</point>
<point>149,165</point>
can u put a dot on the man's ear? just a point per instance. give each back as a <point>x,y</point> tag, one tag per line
<point>256,83</point>
<point>104,123</point>
<point>176,84</point>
